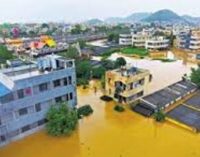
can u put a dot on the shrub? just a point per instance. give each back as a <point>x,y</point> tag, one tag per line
<point>106,98</point>
<point>98,72</point>
<point>159,116</point>
<point>84,111</point>
<point>62,120</point>
<point>119,108</point>
<point>195,76</point>
<point>82,81</point>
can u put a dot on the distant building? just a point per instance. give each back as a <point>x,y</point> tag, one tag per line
<point>27,92</point>
<point>139,39</point>
<point>144,40</point>
<point>157,43</point>
<point>189,41</point>
<point>125,39</point>
<point>126,85</point>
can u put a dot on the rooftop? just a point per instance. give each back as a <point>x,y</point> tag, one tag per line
<point>129,71</point>
<point>43,65</point>
<point>168,95</point>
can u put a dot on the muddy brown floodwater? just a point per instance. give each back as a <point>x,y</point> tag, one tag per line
<point>107,133</point>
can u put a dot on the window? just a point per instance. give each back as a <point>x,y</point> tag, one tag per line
<point>43,87</point>
<point>56,83</point>
<point>38,107</point>
<point>70,79</point>
<point>65,81</point>
<point>25,128</point>
<point>2,138</point>
<point>23,111</point>
<point>41,122</point>
<point>20,93</point>
<point>58,99</point>
<point>71,96</point>
<point>67,97</point>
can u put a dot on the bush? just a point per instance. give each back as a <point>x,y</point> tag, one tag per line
<point>62,120</point>
<point>84,111</point>
<point>120,62</point>
<point>195,76</point>
<point>159,116</point>
<point>98,72</point>
<point>106,98</point>
<point>82,82</point>
<point>119,108</point>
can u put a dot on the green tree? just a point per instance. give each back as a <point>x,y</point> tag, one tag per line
<point>5,54</point>
<point>195,76</point>
<point>98,72</point>
<point>76,30</point>
<point>120,62</point>
<point>113,37</point>
<point>82,43</point>
<point>72,52</point>
<point>108,64</point>
<point>83,69</point>
<point>62,120</point>
<point>159,116</point>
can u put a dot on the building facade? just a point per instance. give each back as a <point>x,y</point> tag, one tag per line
<point>125,39</point>
<point>27,92</point>
<point>189,41</point>
<point>144,40</point>
<point>127,85</point>
<point>157,43</point>
<point>139,39</point>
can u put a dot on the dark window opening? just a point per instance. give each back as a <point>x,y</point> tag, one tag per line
<point>56,83</point>
<point>71,96</point>
<point>70,79</point>
<point>65,81</point>
<point>20,93</point>
<point>25,128</point>
<point>23,111</point>
<point>38,107</point>
<point>2,138</point>
<point>58,99</point>
<point>43,87</point>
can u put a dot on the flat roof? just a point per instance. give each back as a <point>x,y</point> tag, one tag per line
<point>169,94</point>
<point>186,116</point>
<point>194,101</point>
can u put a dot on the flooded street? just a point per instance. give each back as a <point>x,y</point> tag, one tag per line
<point>107,133</point>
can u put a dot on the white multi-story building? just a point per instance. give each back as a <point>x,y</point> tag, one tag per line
<point>125,39</point>
<point>190,41</point>
<point>27,92</point>
<point>157,43</point>
<point>139,39</point>
<point>144,40</point>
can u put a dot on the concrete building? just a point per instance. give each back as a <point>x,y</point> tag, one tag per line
<point>126,85</point>
<point>144,40</point>
<point>157,43</point>
<point>139,39</point>
<point>125,39</point>
<point>189,41</point>
<point>27,92</point>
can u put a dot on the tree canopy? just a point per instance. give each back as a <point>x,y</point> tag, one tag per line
<point>120,62</point>
<point>195,76</point>
<point>62,120</point>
